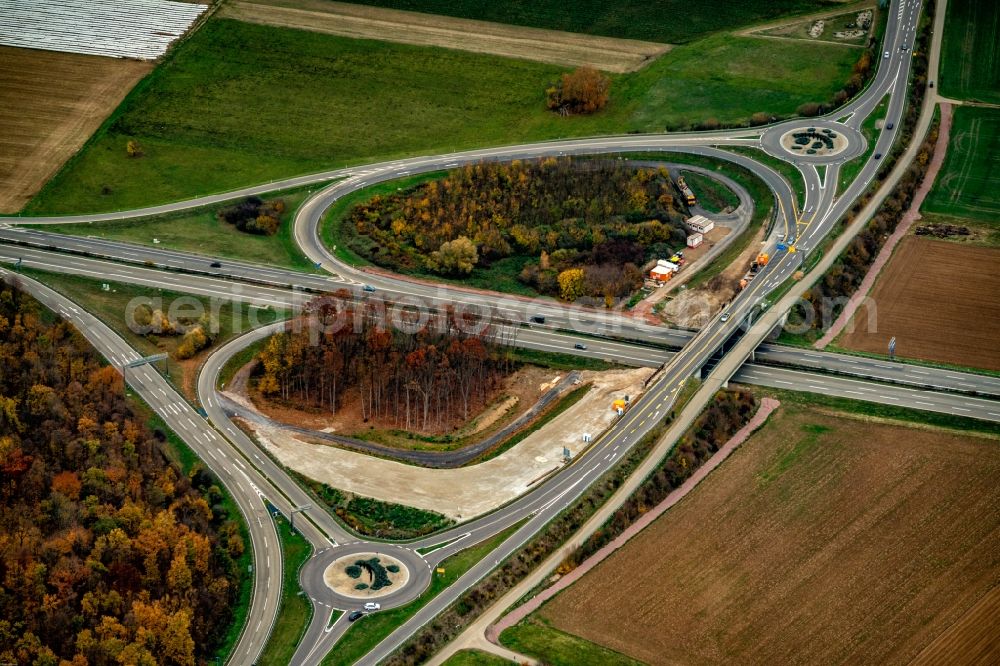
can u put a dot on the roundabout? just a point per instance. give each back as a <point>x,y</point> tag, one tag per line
<point>818,142</point>
<point>366,576</point>
<point>392,575</point>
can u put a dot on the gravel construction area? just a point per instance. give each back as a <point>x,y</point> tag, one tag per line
<point>360,22</point>
<point>50,103</point>
<point>464,492</point>
<point>825,539</point>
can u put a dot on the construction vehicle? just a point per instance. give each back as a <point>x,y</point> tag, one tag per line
<point>689,197</point>
<point>762,259</point>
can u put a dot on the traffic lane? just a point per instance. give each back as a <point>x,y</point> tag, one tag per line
<point>97,269</point>
<point>179,261</point>
<point>887,394</point>
<point>921,376</point>
<point>539,337</point>
<point>46,256</point>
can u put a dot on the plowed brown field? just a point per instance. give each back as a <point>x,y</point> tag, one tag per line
<point>942,302</point>
<point>391,25</point>
<point>50,103</point>
<point>823,540</point>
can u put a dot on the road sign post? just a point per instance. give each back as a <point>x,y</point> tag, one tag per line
<point>291,515</point>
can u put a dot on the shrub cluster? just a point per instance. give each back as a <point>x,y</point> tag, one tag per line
<point>377,572</point>
<point>196,332</point>
<point>253,215</point>
<point>584,90</point>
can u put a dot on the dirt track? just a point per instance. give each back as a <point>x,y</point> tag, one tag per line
<point>362,22</point>
<point>50,103</point>
<point>940,300</point>
<point>822,540</point>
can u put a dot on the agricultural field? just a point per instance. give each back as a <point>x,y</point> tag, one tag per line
<point>239,104</point>
<point>967,184</point>
<point>668,21</point>
<point>49,104</point>
<point>361,22</point>
<point>940,300</point>
<point>970,54</point>
<point>826,538</point>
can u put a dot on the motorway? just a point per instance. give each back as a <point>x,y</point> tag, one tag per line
<point>636,344</point>
<point>250,475</point>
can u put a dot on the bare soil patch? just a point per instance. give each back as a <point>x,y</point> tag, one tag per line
<point>824,540</point>
<point>974,639</point>
<point>50,103</point>
<point>692,308</point>
<point>361,22</point>
<point>941,301</point>
<point>462,492</point>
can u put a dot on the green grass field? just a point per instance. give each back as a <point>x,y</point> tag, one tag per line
<point>199,231</point>
<point>535,638</point>
<point>713,196</point>
<point>967,187</point>
<point>670,21</point>
<point>475,658</point>
<point>970,54</point>
<point>239,104</point>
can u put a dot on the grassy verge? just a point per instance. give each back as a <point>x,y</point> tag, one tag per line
<point>558,648</point>
<point>367,632</point>
<point>475,658</point>
<point>199,231</point>
<point>295,611</point>
<point>786,169</point>
<point>560,361</point>
<point>375,518</point>
<point>914,361</point>
<point>111,307</point>
<point>712,195</point>
<point>238,360</point>
<point>219,113</point>
<point>850,170</point>
<point>880,411</point>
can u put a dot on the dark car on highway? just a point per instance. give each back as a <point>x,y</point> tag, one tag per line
<point>356,615</point>
<point>579,345</point>
<point>215,264</point>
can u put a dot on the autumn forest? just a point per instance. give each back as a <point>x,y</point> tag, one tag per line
<point>108,553</point>
<point>423,380</point>
<point>583,227</point>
